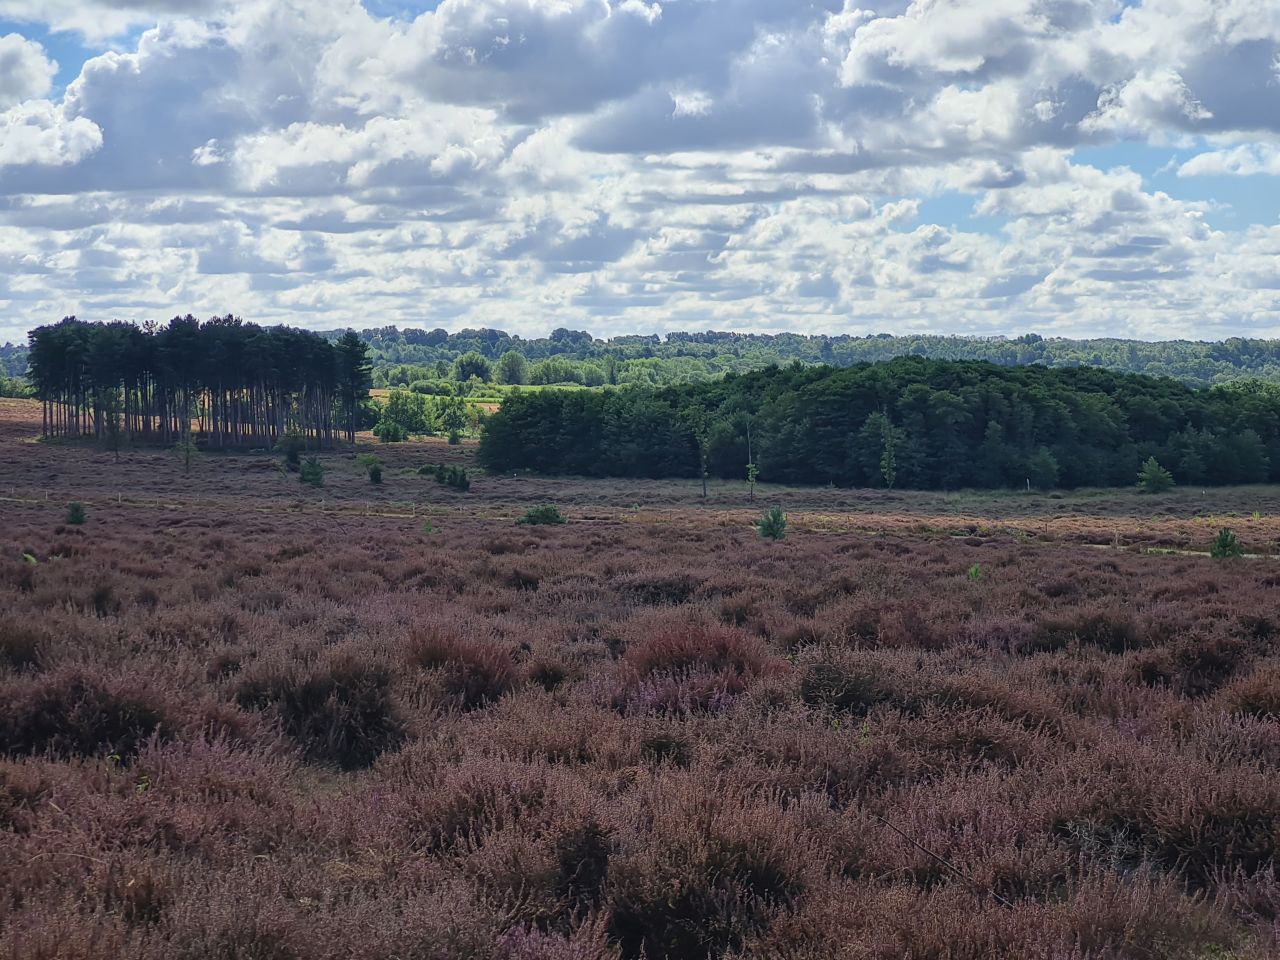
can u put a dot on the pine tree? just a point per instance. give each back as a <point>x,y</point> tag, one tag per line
<point>354,377</point>
<point>1153,478</point>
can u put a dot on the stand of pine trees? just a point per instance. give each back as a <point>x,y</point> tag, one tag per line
<point>231,383</point>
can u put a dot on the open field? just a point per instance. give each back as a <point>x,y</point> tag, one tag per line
<point>243,718</point>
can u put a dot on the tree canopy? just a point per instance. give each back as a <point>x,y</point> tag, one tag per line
<point>243,384</point>
<point>909,422</point>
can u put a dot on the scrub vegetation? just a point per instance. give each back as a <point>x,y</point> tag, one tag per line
<point>243,718</point>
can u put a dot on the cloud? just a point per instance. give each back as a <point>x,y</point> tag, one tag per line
<point>622,165</point>
<point>39,134</point>
<point>1245,160</point>
<point>25,71</point>
<point>100,20</point>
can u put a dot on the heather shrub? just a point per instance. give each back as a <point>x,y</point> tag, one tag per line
<point>702,877</point>
<point>463,805</point>
<point>340,712</point>
<point>22,787</point>
<point>1185,815</point>
<point>582,866</point>
<point>474,673</point>
<point>738,611</point>
<point>1258,694</point>
<point>1049,636</point>
<point>1114,633</point>
<point>980,735</point>
<point>1032,708</point>
<point>21,646</point>
<point>659,588</point>
<point>685,694</point>
<point>584,943</point>
<point>679,648</point>
<point>666,748</point>
<point>69,713</point>
<point>849,685</point>
<point>20,574</point>
<point>1203,664</point>
<point>688,668</point>
<point>548,674</point>
<point>102,598</point>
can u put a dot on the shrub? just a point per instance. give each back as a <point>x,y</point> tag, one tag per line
<point>1257,694</point>
<point>455,477</point>
<point>291,444</point>
<point>702,886</point>
<point>659,588</point>
<point>311,472</point>
<point>541,516</point>
<point>1112,632</point>
<point>582,861</point>
<point>1153,478</point>
<point>683,669</point>
<point>20,645</point>
<point>548,674</point>
<point>372,466</point>
<point>773,524</point>
<point>693,646</point>
<point>666,748</point>
<point>73,714</point>
<point>389,431</point>
<point>1225,545</point>
<point>473,673</point>
<point>75,513</point>
<point>341,713</point>
<point>845,687</point>
<point>455,437</point>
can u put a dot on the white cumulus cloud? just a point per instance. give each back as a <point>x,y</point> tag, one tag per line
<point>838,165</point>
<point>25,71</point>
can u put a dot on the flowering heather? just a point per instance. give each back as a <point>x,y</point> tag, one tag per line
<point>251,727</point>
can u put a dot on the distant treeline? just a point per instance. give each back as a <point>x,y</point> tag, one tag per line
<point>909,422</point>
<point>240,384</point>
<point>442,363</point>
<point>404,356</point>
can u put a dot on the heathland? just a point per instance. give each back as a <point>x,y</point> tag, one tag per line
<point>247,717</point>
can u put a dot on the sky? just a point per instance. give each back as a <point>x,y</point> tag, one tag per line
<point>1063,167</point>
